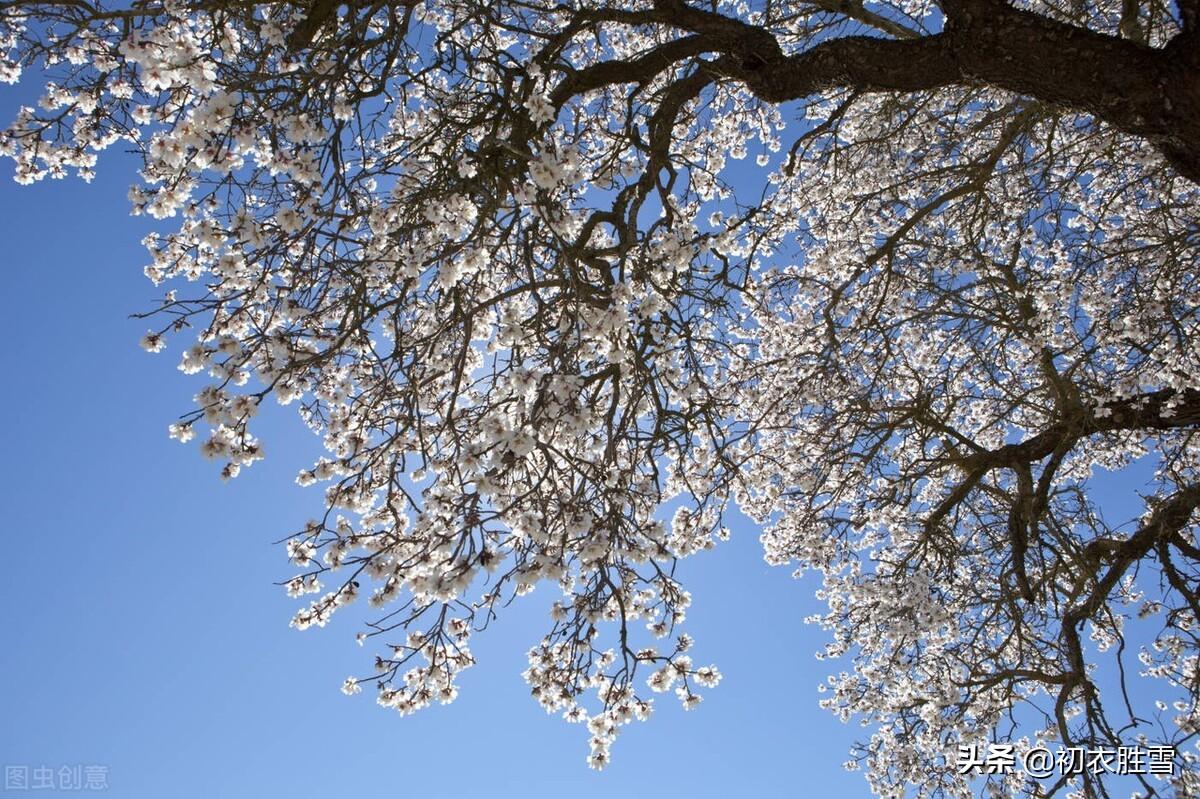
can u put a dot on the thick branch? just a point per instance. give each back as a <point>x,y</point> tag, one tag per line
<point>1150,93</point>
<point>1149,412</point>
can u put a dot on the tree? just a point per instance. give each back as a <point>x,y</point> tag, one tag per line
<point>506,259</point>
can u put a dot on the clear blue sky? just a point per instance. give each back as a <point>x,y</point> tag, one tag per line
<point>143,632</point>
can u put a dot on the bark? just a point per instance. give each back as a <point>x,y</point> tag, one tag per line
<point>1152,93</point>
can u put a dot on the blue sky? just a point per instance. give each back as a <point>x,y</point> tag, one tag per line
<point>143,631</point>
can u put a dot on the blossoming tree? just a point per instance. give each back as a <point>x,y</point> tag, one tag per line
<point>512,261</point>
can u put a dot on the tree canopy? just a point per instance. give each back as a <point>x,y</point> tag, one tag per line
<point>898,280</point>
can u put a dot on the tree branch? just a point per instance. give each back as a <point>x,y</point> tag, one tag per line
<point>1153,94</point>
